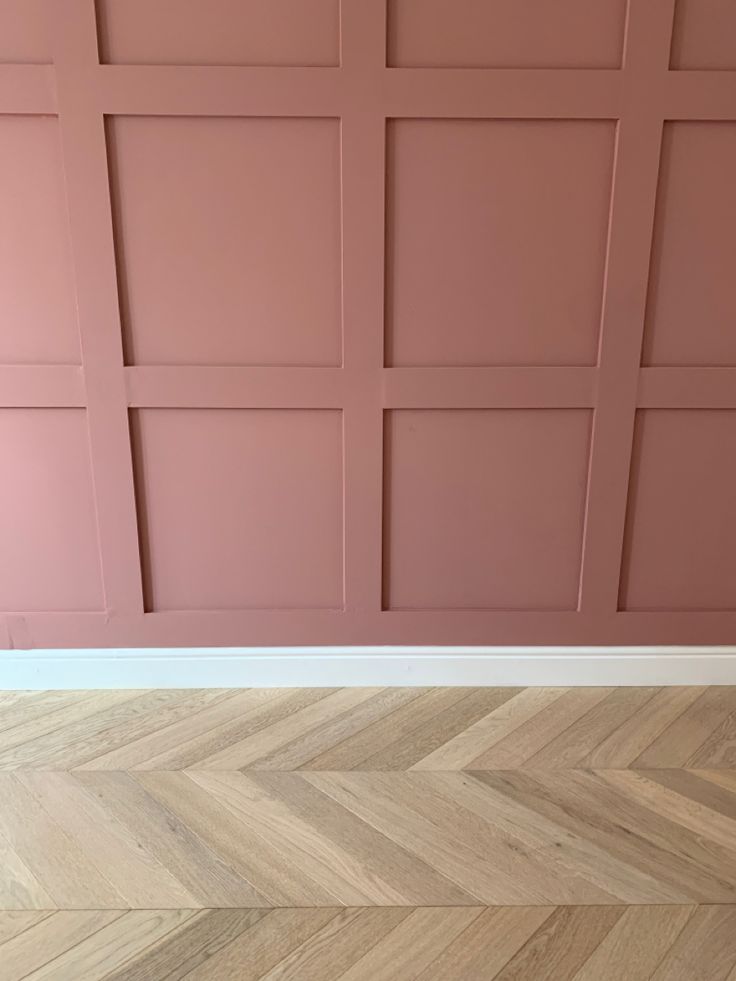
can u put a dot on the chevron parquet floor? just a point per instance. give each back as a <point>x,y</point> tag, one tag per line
<point>374,834</point>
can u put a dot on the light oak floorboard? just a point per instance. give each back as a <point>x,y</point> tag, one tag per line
<point>417,834</point>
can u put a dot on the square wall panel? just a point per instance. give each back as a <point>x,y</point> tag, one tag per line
<point>680,542</point>
<point>48,527</point>
<point>703,35</point>
<point>241,508</point>
<point>496,240</point>
<point>219,32</point>
<point>506,33</point>
<point>691,311</point>
<point>485,508</point>
<point>38,321</point>
<point>228,239</point>
<point>24,37</point>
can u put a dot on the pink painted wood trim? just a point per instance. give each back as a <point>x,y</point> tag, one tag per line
<point>687,388</point>
<point>363,132</point>
<point>234,387</point>
<point>268,628</point>
<point>466,388</point>
<point>85,165</point>
<point>625,295</point>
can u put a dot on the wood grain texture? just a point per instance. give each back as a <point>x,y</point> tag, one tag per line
<point>357,944</point>
<point>371,729</point>
<point>369,835</point>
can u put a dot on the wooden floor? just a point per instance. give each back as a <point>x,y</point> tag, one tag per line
<point>374,834</point>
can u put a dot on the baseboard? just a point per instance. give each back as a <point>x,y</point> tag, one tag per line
<point>324,666</point>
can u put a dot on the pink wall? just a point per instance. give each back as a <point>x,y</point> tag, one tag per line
<point>381,321</point>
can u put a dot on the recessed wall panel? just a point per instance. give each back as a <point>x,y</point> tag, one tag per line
<point>680,542</point>
<point>691,309</point>
<point>703,35</point>
<point>228,239</point>
<point>24,35</point>
<point>506,33</point>
<point>240,509</point>
<point>48,530</point>
<point>484,508</point>
<point>219,32</point>
<point>38,323</point>
<point>496,240</point>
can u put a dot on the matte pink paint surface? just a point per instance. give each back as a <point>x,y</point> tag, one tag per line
<point>228,234</point>
<point>367,322</point>
<point>37,302</point>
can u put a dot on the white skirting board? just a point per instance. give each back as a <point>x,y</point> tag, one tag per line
<point>244,667</point>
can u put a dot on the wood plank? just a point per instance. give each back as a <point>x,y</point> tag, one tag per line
<point>632,737</point>
<point>413,945</point>
<point>584,807</point>
<point>197,867</point>
<point>351,753</point>
<point>423,740</point>
<point>59,864</point>
<point>570,747</point>
<point>562,944</point>
<point>466,749</point>
<point>329,953</point>
<point>719,749</point>
<point>218,825</point>
<point>19,887</point>
<point>516,872</point>
<point>636,944</point>
<point>653,841</point>
<point>710,826</point>
<point>695,786</point>
<point>112,946</point>
<point>401,873</point>
<point>327,863</point>
<point>15,921</point>
<point>66,713</point>
<point>376,804</point>
<point>705,949</point>
<point>680,740</point>
<point>131,869</point>
<point>184,742</point>
<point>488,944</point>
<point>188,946</point>
<point>565,847</point>
<point>305,747</point>
<point>30,709</point>
<point>262,946</point>
<point>50,939</point>
<point>278,733</point>
<point>523,743</point>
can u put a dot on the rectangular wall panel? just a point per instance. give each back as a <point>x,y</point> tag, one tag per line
<point>506,33</point>
<point>691,313</point>
<point>228,239</point>
<point>680,548</point>
<point>485,508</point>
<point>38,314</point>
<point>48,532</point>
<point>24,33</point>
<point>240,508</point>
<point>703,36</point>
<point>345,322</point>
<point>219,32</point>
<point>506,265</point>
